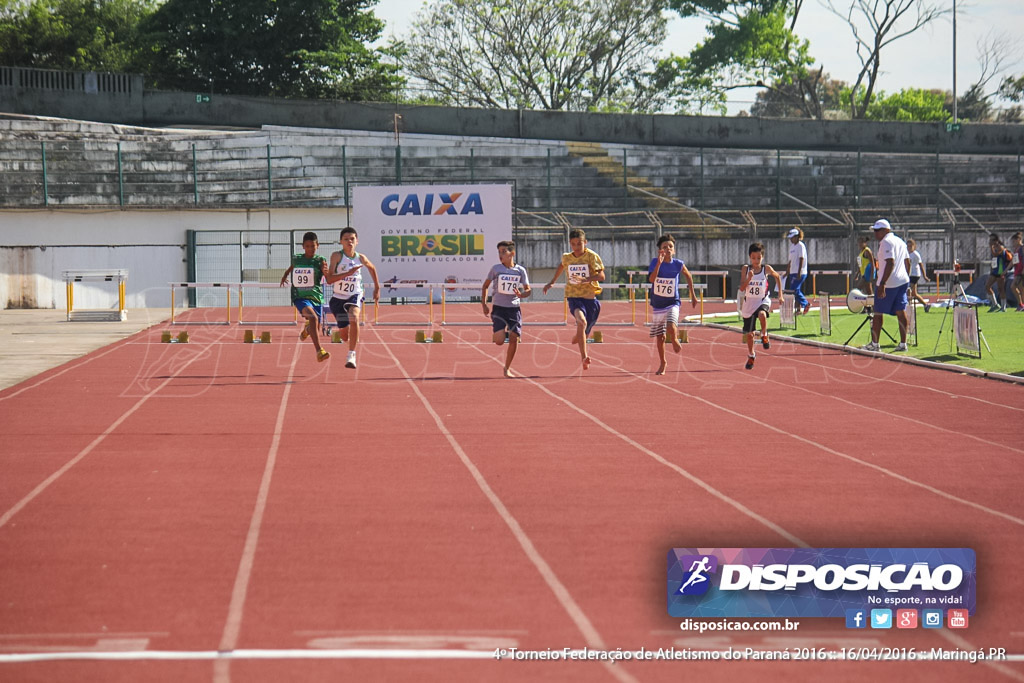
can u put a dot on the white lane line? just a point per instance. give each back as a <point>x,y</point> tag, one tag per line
<point>236,609</point>
<point>591,636</point>
<point>810,442</point>
<point>732,502</point>
<point>46,483</point>
<point>963,643</point>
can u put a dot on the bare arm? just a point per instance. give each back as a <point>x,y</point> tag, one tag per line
<point>373,274</point>
<point>558,272</point>
<point>483,296</point>
<point>284,278</point>
<point>689,283</point>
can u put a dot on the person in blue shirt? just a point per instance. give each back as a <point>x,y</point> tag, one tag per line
<point>663,274</point>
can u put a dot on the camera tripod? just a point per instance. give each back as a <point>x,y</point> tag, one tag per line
<point>962,296</point>
<point>869,315</point>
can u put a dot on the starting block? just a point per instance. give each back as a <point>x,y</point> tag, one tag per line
<point>336,337</point>
<point>250,338</point>
<point>684,336</point>
<point>167,338</point>
<point>422,338</point>
<point>598,337</point>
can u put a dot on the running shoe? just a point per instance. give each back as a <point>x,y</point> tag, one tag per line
<point>927,307</point>
<point>304,335</point>
<point>871,346</point>
<point>750,363</point>
<point>350,361</point>
<point>901,347</point>
<point>322,355</point>
<point>807,307</point>
<point>765,342</point>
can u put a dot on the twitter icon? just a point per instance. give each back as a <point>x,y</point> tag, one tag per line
<point>881,618</point>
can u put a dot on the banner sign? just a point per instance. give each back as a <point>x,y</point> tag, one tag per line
<point>965,324</point>
<point>817,582</point>
<point>432,233</point>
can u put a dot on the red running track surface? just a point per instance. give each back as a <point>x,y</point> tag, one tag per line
<point>406,519</point>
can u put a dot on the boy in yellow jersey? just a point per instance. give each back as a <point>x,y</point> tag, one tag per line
<point>307,295</point>
<point>584,271</point>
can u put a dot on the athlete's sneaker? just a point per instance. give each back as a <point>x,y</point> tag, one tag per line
<point>901,347</point>
<point>871,346</point>
<point>304,335</point>
<point>765,342</point>
<point>807,307</point>
<point>350,361</point>
<point>927,307</point>
<point>322,355</point>
<point>750,363</point>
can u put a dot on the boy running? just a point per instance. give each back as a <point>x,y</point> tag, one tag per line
<point>1017,244</point>
<point>511,283</point>
<point>584,271</point>
<point>757,303</point>
<point>307,296</point>
<point>345,273</point>
<point>917,273</point>
<point>663,274</point>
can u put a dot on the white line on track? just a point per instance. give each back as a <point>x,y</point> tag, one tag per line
<point>575,612</point>
<point>236,609</point>
<point>6,517</point>
<point>956,639</point>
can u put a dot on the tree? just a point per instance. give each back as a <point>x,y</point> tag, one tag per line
<point>83,35</point>
<point>876,24</point>
<point>810,97</point>
<point>299,48</point>
<point>911,104</point>
<point>751,43</point>
<point>576,55</point>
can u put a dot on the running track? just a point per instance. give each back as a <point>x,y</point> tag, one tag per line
<point>163,503</point>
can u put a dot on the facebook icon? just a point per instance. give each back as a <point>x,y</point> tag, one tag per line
<point>856,618</point>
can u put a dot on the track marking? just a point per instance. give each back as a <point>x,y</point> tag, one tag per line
<point>961,642</point>
<point>575,612</point>
<point>233,624</point>
<point>45,484</point>
<point>91,357</point>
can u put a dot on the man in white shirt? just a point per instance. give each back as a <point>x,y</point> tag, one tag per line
<point>891,285</point>
<point>796,270</point>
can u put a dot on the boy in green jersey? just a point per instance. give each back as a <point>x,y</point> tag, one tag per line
<point>307,295</point>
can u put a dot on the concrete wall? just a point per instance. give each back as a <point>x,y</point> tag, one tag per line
<point>151,245</point>
<point>28,93</point>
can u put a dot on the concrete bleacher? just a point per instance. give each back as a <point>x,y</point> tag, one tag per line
<point>94,164</point>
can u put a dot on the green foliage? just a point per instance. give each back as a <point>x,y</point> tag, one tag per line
<point>299,48</point>
<point>1012,88</point>
<point>913,104</point>
<point>575,55</point>
<point>83,35</point>
<point>749,43</point>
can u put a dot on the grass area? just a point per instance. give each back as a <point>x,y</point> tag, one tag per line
<point>1004,332</point>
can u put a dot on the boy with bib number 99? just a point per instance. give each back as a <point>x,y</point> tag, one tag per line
<point>585,272</point>
<point>307,295</point>
<point>344,272</point>
<point>663,274</point>
<point>511,283</point>
<point>757,303</point>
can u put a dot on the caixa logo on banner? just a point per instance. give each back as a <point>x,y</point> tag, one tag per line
<point>432,203</point>
<point>816,582</point>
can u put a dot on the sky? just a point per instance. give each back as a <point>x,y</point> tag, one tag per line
<point>923,59</point>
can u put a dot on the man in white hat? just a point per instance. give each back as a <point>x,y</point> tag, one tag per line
<point>796,271</point>
<point>891,285</point>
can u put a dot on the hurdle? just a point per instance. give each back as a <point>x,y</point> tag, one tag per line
<point>724,274</point>
<point>119,276</point>
<point>261,285</point>
<point>429,286</point>
<point>816,273</point>
<point>954,276</point>
<point>195,285</point>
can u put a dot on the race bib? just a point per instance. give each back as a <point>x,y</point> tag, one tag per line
<point>1016,258</point>
<point>302,278</point>
<point>665,286</point>
<point>346,287</point>
<point>754,291</point>
<point>508,284</point>
<point>995,262</point>
<point>578,272</point>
